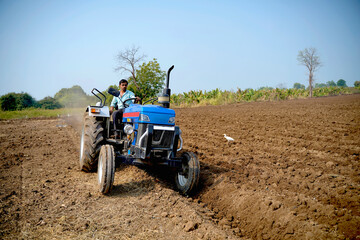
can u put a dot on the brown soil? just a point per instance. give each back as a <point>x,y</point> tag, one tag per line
<point>291,173</point>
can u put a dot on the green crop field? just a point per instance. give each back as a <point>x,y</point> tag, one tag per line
<point>37,112</point>
<point>219,97</point>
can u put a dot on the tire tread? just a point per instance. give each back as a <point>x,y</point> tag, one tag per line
<point>93,140</point>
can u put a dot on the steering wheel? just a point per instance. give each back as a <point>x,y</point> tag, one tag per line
<point>151,100</point>
<point>124,102</point>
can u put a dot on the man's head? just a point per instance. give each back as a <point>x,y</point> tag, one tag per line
<point>123,85</point>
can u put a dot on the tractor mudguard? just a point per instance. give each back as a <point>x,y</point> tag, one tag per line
<point>98,111</point>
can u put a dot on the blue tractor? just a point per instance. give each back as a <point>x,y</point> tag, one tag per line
<point>148,136</point>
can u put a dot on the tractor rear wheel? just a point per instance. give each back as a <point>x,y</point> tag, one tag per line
<point>188,178</point>
<point>106,168</point>
<point>92,138</point>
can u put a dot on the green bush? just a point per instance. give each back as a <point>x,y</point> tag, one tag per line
<point>331,84</point>
<point>74,97</point>
<point>17,101</point>
<point>341,83</point>
<point>8,102</point>
<point>298,86</point>
<point>49,103</point>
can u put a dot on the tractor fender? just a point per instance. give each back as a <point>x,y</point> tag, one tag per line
<point>98,111</point>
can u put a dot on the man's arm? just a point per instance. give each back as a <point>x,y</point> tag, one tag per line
<point>112,105</point>
<point>130,95</point>
<point>138,100</point>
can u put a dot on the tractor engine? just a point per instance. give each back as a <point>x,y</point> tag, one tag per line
<point>152,131</point>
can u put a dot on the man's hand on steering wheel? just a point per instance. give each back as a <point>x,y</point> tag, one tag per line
<point>138,100</point>
<point>127,105</point>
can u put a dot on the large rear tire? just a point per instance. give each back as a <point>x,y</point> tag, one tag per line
<point>92,138</point>
<point>106,168</point>
<point>187,180</point>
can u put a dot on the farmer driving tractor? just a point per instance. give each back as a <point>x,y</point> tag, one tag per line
<point>148,136</point>
<point>120,102</point>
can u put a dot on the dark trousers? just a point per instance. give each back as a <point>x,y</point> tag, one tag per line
<point>117,120</point>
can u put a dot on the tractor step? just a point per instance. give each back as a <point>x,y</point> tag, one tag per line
<point>116,141</point>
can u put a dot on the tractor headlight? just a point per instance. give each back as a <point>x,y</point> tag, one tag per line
<point>128,129</point>
<point>144,118</point>
<point>171,120</point>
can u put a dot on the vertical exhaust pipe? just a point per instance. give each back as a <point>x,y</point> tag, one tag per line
<point>168,76</point>
<point>164,97</point>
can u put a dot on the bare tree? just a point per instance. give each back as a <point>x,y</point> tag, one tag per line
<point>129,59</point>
<point>309,58</point>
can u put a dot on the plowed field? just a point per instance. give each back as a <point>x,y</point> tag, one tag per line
<point>293,172</point>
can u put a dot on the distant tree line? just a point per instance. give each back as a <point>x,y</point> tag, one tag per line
<point>149,82</point>
<point>76,97</point>
<point>66,97</point>
<point>339,83</point>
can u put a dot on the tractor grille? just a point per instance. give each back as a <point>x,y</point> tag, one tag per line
<point>162,138</point>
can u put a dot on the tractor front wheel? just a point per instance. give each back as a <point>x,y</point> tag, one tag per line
<point>188,178</point>
<point>106,168</point>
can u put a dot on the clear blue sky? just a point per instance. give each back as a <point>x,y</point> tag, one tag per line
<point>48,45</point>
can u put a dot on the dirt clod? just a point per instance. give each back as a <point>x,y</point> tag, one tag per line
<point>190,226</point>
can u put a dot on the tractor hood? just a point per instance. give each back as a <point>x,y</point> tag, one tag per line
<point>152,114</point>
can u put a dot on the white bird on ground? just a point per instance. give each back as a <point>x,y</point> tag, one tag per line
<point>228,138</point>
